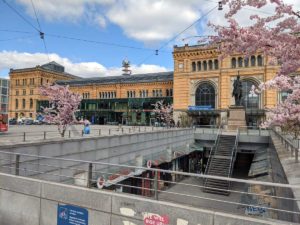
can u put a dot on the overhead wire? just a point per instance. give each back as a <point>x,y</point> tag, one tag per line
<point>42,34</point>
<point>18,38</point>
<point>178,34</point>
<point>102,42</point>
<point>20,15</point>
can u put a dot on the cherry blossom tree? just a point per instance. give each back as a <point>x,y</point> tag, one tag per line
<point>276,36</point>
<point>63,105</point>
<point>163,112</point>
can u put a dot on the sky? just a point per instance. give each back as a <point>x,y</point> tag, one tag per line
<point>92,37</point>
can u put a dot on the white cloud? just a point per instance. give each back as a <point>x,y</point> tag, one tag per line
<point>152,21</point>
<point>149,21</point>
<point>66,10</point>
<point>18,60</point>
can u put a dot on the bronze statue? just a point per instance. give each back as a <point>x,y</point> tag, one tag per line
<point>237,91</point>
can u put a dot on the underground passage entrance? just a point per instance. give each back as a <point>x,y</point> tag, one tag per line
<point>242,165</point>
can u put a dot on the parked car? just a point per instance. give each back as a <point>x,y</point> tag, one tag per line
<point>28,121</point>
<point>12,121</point>
<point>20,121</point>
<point>37,122</point>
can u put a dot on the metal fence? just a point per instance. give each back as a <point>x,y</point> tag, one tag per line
<point>71,133</point>
<point>250,197</point>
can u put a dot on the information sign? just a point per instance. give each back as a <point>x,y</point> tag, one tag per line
<point>71,215</point>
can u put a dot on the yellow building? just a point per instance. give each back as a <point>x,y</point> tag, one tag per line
<point>24,87</point>
<point>203,84</point>
<point>200,88</point>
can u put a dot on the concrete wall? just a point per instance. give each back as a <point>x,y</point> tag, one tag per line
<point>28,201</point>
<point>118,149</point>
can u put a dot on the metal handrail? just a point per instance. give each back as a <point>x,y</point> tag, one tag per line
<point>233,154</point>
<point>216,143</point>
<point>288,142</point>
<point>254,182</point>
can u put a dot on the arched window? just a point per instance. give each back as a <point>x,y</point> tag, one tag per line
<point>108,95</point>
<point>199,66</point>
<point>233,62</point>
<point>210,64</point>
<point>171,92</point>
<point>141,94</point>
<point>249,100</point>
<point>204,65</point>
<point>216,62</point>
<point>153,93</point>
<point>193,66</point>
<point>134,94</point>
<point>260,60</point>
<point>205,95</point>
<point>23,103</point>
<point>160,93</point>
<point>246,62</point>
<point>31,103</point>
<point>167,92</point>
<point>17,103</point>
<point>253,59</point>
<point>128,94</point>
<point>240,62</point>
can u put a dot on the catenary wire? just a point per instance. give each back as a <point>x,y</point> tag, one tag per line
<point>20,15</point>
<point>42,35</point>
<point>178,34</point>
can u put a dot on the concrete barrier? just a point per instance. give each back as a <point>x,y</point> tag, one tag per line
<point>118,149</point>
<point>29,201</point>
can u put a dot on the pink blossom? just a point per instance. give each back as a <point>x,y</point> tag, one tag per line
<point>63,105</point>
<point>276,36</point>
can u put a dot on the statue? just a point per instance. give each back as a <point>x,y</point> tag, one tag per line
<point>237,91</point>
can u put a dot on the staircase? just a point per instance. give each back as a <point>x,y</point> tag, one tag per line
<point>220,164</point>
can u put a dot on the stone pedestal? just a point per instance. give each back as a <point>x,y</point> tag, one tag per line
<point>237,117</point>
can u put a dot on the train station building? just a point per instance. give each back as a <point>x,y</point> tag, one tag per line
<point>200,89</point>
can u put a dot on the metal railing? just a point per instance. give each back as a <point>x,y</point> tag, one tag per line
<point>179,187</point>
<point>212,152</point>
<point>251,130</point>
<point>46,135</point>
<point>288,144</point>
<point>233,154</point>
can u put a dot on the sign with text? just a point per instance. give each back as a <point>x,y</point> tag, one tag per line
<point>200,107</point>
<point>154,219</point>
<point>72,215</point>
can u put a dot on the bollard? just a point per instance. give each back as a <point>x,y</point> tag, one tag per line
<point>139,129</point>
<point>129,131</point>
<point>259,131</point>
<point>152,128</point>
<point>122,130</point>
<point>145,129</point>
<point>69,133</point>
<point>17,168</point>
<point>296,155</point>
<point>90,175</point>
<point>109,131</point>
<point>156,185</point>
<point>99,132</point>
<point>82,133</point>
<point>24,136</point>
<point>45,135</point>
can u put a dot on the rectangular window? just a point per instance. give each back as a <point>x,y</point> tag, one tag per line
<point>31,92</point>
<point>24,92</point>
<point>17,92</point>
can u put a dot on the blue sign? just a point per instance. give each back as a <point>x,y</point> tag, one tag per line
<point>200,107</point>
<point>72,215</point>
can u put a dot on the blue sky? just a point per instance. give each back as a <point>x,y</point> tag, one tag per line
<point>144,24</point>
<point>141,24</point>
